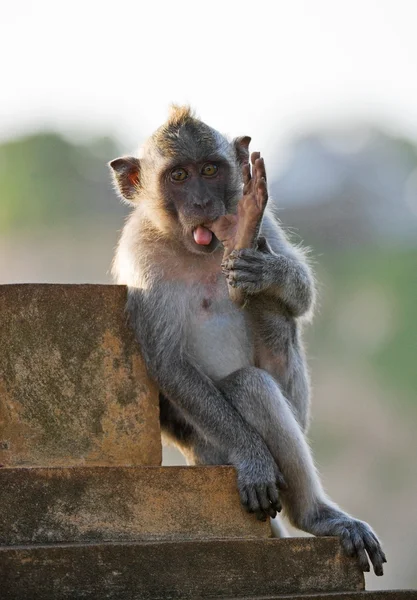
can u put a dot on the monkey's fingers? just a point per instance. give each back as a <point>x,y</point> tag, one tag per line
<point>261,194</point>
<point>247,178</point>
<point>264,503</point>
<point>253,158</point>
<point>246,259</point>
<point>252,503</point>
<point>256,499</point>
<point>259,168</point>
<point>274,498</point>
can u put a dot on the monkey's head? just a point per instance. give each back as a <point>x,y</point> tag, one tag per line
<point>187,176</point>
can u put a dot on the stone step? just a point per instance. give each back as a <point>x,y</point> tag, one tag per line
<point>371,595</point>
<point>73,385</point>
<point>93,504</point>
<point>180,570</point>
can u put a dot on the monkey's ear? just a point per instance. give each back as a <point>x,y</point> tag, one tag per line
<point>241,145</point>
<point>126,174</point>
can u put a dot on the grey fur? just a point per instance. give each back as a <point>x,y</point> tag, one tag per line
<point>234,384</point>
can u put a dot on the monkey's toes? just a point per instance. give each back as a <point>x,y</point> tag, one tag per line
<point>247,178</point>
<point>261,193</point>
<point>359,540</point>
<point>254,157</point>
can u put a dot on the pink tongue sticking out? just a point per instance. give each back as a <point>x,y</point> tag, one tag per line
<point>202,235</point>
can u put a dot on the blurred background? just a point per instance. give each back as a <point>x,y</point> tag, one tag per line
<point>328,92</point>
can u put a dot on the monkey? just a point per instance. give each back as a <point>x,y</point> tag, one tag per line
<point>233,379</point>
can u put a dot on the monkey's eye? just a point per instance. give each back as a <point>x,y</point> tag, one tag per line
<point>209,170</point>
<point>179,174</point>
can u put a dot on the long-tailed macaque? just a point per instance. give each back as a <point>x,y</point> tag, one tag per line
<point>233,377</point>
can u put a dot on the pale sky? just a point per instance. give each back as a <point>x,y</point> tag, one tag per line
<point>264,68</point>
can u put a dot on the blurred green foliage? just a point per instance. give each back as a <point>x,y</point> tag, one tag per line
<point>390,272</point>
<point>48,180</point>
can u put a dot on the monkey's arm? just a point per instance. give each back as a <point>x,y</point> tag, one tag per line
<point>201,402</point>
<point>275,269</point>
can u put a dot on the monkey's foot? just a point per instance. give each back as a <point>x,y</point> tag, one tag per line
<point>241,230</point>
<point>357,537</point>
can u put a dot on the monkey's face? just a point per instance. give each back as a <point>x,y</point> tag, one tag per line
<point>188,176</point>
<point>196,194</point>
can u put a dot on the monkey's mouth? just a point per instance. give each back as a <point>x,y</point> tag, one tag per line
<point>204,239</point>
<point>202,236</point>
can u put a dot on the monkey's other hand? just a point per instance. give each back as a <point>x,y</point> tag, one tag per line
<point>248,270</point>
<point>259,480</point>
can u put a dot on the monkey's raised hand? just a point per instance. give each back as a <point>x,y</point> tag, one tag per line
<point>240,231</point>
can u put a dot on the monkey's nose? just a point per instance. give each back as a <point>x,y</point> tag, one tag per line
<point>202,202</point>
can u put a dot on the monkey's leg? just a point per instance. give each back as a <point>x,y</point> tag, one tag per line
<point>196,449</point>
<point>259,400</point>
<point>176,429</point>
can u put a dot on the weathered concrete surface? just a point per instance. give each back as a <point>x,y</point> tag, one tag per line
<point>73,386</point>
<point>188,570</point>
<point>122,503</point>
<point>380,595</point>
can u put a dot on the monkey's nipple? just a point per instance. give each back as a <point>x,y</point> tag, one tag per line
<point>202,236</point>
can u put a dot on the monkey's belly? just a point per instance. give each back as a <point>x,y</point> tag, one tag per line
<point>220,344</point>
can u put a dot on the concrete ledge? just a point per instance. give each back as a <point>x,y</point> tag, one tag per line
<point>117,504</point>
<point>189,570</point>
<point>73,386</point>
<point>380,595</point>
